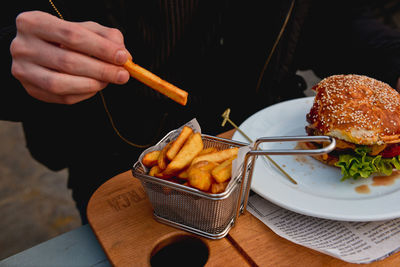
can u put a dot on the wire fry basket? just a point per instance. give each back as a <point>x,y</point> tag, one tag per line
<point>206,214</point>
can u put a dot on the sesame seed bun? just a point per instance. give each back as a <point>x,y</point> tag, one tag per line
<point>357,109</point>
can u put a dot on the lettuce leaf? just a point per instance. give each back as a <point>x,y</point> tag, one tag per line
<point>360,164</point>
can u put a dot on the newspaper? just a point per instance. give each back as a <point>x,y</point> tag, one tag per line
<point>354,242</point>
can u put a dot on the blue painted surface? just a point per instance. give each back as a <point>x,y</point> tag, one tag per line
<point>78,247</point>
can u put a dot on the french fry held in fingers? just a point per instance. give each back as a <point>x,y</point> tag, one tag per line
<point>218,156</point>
<point>178,143</point>
<point>155,82</point>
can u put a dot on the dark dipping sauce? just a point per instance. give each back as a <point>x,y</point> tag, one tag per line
<point>378,181</point>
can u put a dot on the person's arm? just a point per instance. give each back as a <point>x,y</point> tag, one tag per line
<point>64,62</point>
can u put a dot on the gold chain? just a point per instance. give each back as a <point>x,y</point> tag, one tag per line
<point>55,8</point>
<point>115,128</point>
<point>260,78</point>
<point>105,104</point>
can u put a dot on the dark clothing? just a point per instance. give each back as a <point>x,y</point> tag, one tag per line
<point>215,50</point>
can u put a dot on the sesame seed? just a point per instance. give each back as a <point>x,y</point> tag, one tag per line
<point>347,102</point>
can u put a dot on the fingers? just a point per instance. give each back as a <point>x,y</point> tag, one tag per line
<point>67,61</point>
<point>109,33</point>
<point>39,94</point>
<point>54,87</point>
<point>112,34</point>
<point>73,36</point>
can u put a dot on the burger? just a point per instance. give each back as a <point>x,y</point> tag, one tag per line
<point>363,115</point>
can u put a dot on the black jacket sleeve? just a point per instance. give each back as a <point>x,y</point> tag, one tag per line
<point>15,103</point>
<point>14,100</point>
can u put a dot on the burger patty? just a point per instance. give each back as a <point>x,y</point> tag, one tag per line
<point>385,150</point>
<point>329,159</point>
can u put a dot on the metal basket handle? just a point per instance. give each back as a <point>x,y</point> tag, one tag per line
<point>255,152</point>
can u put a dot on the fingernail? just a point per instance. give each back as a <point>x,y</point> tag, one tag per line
<point>121,57</point>
<point>131,58</point>
<point>122,76</point>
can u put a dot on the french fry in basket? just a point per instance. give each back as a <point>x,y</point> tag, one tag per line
<point>154,170</point>
<point>199,174</point>
<point>186,161</point>
<point>179,141</point>
<point>183,174</point>
<point>162,158</point>
<point>218,187</point>
<point>218,156</point>
<point>204,165</point>
<point>208,150</point>
<point>192,147</point>
<point>199,178</point>
<point>151,158</point>
<point>223,171</point>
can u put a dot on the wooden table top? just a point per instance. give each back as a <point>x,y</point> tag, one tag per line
<point>121,218</point>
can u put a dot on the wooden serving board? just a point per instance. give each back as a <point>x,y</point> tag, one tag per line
<point>121,218</point>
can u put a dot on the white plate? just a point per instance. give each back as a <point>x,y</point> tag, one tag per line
<point>319,191</point>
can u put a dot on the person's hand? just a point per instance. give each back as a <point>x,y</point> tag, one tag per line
<point>64,62</point>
